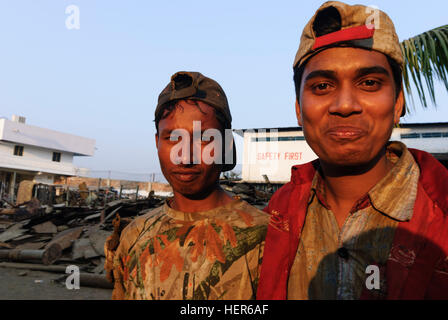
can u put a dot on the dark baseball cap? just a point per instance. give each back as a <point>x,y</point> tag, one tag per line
<point>194,86</point>
<point>190,85</point>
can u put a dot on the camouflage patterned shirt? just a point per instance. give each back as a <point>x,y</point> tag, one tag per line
<point>173,255</point>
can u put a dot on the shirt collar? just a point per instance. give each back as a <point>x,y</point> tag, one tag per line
<point>394,195</point>
<point>223,210</point>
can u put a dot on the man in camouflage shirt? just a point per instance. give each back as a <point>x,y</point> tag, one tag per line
<point>202,243</point>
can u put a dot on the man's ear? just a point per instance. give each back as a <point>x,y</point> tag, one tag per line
<point>399,105</point>
<point>298,115</point>
<point>157,140</point>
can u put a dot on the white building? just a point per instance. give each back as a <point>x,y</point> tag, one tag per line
<point>273,151</point>
<point>32,153</point>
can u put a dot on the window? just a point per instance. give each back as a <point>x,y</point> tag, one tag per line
<point>424,135</point>
<point>410,135</point>
<point>432,135</point>
<point>18,151</point>
<point>56,156</point>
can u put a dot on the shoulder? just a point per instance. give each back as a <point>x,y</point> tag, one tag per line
<point>130,234</point>
<point>250,209</point>
<point>283,192</point>
<point>301,178</point>
<point>279,201</point>
<point>146,217</point>
<point>433,178</point>
<point>251,215</point>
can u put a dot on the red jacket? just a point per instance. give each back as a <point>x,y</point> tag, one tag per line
<point>417,266</point>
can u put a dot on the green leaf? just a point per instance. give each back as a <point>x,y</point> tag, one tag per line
<point>425,59</point>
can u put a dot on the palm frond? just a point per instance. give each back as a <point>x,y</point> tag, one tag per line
<point>426,59</point>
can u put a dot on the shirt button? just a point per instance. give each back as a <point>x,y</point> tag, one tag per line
<point>343,253</point>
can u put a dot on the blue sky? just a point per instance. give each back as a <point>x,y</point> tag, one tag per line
<point>102,81</point>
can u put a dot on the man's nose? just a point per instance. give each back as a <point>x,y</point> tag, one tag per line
<point>194,153</point>
<point>185,156</point>
<point>345,102</point>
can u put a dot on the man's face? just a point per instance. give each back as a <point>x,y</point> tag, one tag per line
<point>348,105</point>
<point>186,178</point>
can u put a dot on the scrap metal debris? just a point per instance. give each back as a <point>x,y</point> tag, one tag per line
<point>48,232</point>
<point>248,192</point>
<point>49,237</point>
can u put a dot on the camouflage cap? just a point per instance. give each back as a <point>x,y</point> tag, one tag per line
<point>356,26</point>
<point>194,86</point>
<point>359,25</point>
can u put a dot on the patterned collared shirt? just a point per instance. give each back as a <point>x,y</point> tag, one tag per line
<point>332,263</point>
<point>172,255</point>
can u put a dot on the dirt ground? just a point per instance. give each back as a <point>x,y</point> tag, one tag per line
<point>19,284</point>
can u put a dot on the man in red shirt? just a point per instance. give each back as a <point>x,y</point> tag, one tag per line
<point>368,219</point>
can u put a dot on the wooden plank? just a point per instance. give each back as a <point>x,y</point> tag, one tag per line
<point>5,245</point>
<point>31,245</point>
<point>86,279</point>
<point>12,232</point>
<point>6,224</point>
<point>93,216</point>
<point>66,238</point>
<point>95,280</point>
<point>46,256</point>
<point>112,214</point>
<point>24,237</point>
<point>46,227</point>
<point>8,211</point>
<point>32,266</point>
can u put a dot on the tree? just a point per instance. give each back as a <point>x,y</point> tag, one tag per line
<point>426,58</point>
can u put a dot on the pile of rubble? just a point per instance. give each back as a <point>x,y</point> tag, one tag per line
<point>52,237</point>
<point>248,192</point>
<point>49,232</point>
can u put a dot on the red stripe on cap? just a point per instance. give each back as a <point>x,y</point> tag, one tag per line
<point>354,33</point>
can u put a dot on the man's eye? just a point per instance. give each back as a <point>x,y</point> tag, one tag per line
<point>321,88</point>
<point>370,84</point>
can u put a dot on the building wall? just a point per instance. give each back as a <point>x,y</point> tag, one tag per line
<point>275,158</point>
<point>36,163</point>
<point>35,159</point>
<point>436,145</point>
<point>44,179</point>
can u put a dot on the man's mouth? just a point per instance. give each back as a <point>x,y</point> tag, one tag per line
<point>346,133</point>
<point>186,175</point>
